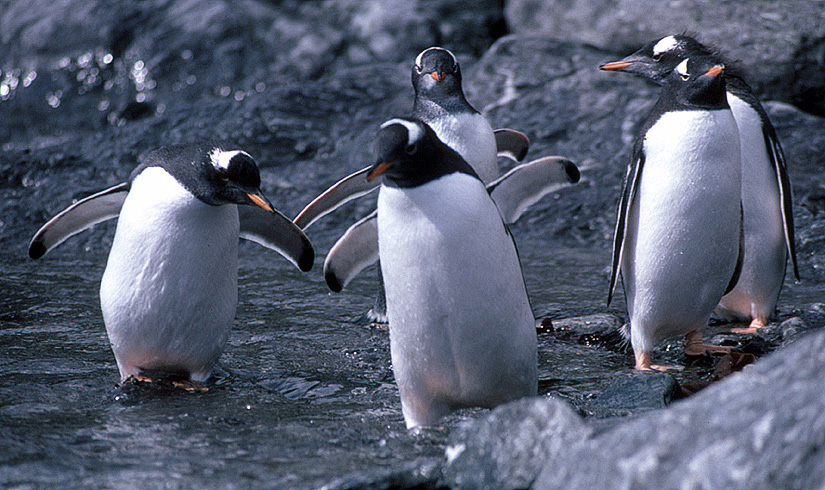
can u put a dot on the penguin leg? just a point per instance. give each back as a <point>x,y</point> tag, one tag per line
<point>754,326</point>
<point>694,345</point>
<point>643,363</point>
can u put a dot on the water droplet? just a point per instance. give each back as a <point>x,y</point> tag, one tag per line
<point>191,79</point>
<point>239,95</point>
<point>225,91</point>
<point>186,54</point>
<point>107,58</point>
<point>260,87</point>
<point>141,97</point>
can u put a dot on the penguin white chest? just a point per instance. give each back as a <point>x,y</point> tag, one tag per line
<point>169,292</point>
<point>472,137</point>
<point>683,225</point>
<point>461,329</point>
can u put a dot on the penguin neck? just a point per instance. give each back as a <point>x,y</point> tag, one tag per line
<point>427,108</point>
<point>428,168</point>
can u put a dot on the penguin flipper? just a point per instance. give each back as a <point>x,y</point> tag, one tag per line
<point>511,144</point>
<point>350,187</point>
<point>354,251</point>
<point>740,259</point>
<point>631,183</point>
<point>81,215</point>
<point>777,157</point>
<point>277,232</point>
<point>525,184</point>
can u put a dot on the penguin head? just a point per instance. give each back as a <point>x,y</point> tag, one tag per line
<point>697,83</point>
<point>436,73</point>
<point>656,60</point>
<point>409,154</point>
<point>213,173</point>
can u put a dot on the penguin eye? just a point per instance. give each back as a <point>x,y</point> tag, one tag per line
<point>410,149</point>
<point>418,69</point>
<point>684,76</point>
<point>657,56</point>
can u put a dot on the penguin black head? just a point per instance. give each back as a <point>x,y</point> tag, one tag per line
<point>656,60</point>
<point>212,173</point>
<point>410,154</point>
<point>436,73</point>
<point>697,83</point>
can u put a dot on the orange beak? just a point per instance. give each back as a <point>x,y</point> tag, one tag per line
<point>615,65</point>
<point>260,202</point>
<point>716,70</point>
<point>378,170</point>
<point>438,76</point>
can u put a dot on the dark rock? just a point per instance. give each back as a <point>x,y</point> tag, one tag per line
<point>758,429</point>
<point>602,328</point>
<point>508,448</point>
<point>636,393</point>
<point>779,44</point>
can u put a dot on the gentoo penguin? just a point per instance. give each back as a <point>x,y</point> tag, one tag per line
<point>440,103</point>
<point>169,291</point>
<point>678,239</point>
<point>766,190</point>
<point>512,193</point>
<point>461,329</point>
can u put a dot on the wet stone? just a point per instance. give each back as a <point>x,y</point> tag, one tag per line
<point>636,393</point>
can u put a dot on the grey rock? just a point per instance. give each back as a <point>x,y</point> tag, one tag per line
<point>508,448</point>
<point>759,429</point>
<point>781,44</point>
<point>636,393</point>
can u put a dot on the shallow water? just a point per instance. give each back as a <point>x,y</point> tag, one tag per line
<point>304,393</point>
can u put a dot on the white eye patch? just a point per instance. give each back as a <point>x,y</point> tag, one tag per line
<point>665,44</point>
<point>683,69</point>
<point>414,132</point>
<point>220,158</point>
<point>421,56</point>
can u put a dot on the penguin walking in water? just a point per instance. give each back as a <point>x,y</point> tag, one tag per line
<point>461,329</point>
<point>169,291</point>
<point>766,191</point>
<point>678,241</point>
<point>440,103</point>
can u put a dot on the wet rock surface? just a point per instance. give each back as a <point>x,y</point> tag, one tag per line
<point>305,396</point>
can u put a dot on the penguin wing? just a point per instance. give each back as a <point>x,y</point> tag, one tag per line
<point>350,187</point>
<point>354,251</point>
<point>79,216</point>
<point>525,184</point>
<point>511,144</point>
<point>777,157</point>
<point>277,232</point>
<point>631,183</point>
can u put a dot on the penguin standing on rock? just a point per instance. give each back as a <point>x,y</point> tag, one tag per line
<point>766,191</point>
<point>170,289</point>
<point>461,329</point>
<point>678,241</point>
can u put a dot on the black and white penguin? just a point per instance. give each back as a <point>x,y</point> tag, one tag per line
<point>169,292</point>
<point>440,103</point>
<point>461,329</point>
<point>766,191</point>
<point>678,240</point>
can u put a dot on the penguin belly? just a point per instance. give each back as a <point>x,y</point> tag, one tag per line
<point>462,332</point>
<point>763,266</point>
<point>169,291</point>
<point>472,137</point>
<point>683,225</point>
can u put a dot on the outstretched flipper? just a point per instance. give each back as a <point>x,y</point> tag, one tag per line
<point>276,231</point>
<point>350,187</point>
<point>79,216</point>
<point>354,251</point>
<point>525,184</point>
<point>511,144</point>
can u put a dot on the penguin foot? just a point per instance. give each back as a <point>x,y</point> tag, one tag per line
<point>183,384</point>
<point>643,364</point>
<point>694,346</point>
<point>754,327</point>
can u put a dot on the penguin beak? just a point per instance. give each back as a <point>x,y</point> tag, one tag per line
<point>716,70</point>
<point>259,200</point>
<point>379,169</point>
<point>438,76</point>
<point>615,65</point>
